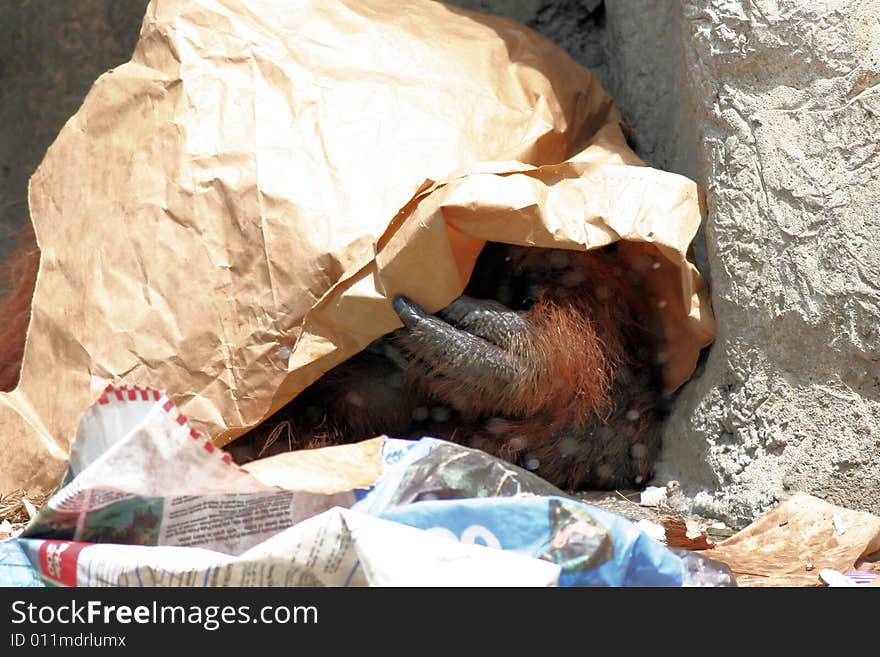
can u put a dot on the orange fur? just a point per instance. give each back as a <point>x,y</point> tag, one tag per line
<point>18,278</point>
<point>584,411</point>
<point>587,412</point>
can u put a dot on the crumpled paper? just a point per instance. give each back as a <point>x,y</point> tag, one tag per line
<point>795,540</point>
<point>149,502</point>
<point>229,212</point>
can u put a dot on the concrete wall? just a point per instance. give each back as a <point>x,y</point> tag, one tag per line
<point>772,105</point>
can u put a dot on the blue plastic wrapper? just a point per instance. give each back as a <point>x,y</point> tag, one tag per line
<point>476,498</point>
<point>443,488</point>
<point>593,547</point>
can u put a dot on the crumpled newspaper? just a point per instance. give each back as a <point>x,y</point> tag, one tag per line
<point>150,502</point>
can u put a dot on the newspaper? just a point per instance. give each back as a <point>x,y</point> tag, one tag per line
<point>149,502</point>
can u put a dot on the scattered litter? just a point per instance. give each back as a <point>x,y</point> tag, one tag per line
<point>839,525</point>
<point>15,567</point>
<point>704,571</point>
<point>653,496</point>
<point>831,577</point>
<point>762,555</point>
<point>144,487</point>
<point>652,529</point>
<point>683,533</point>
<point>539,157</point>
<point>381,512</point>
<point>347,516</point>
<point>862,577</point>
<point>17,508</point>
<point>30,508</point>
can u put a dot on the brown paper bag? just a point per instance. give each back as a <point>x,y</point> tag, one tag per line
<point>227,215</point>
<point>790,544</point>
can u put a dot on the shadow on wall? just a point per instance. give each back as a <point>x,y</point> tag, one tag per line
<point>51,51</point>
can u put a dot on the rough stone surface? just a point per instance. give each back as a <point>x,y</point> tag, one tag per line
<point>787,99</point>
<point>772,106</point>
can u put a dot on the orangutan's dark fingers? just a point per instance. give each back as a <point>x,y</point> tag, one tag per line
<point>460,358</point>
<point>490,320</point>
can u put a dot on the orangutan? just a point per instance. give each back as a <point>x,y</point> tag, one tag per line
<point>556,367</point>
<point>559,371</point>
